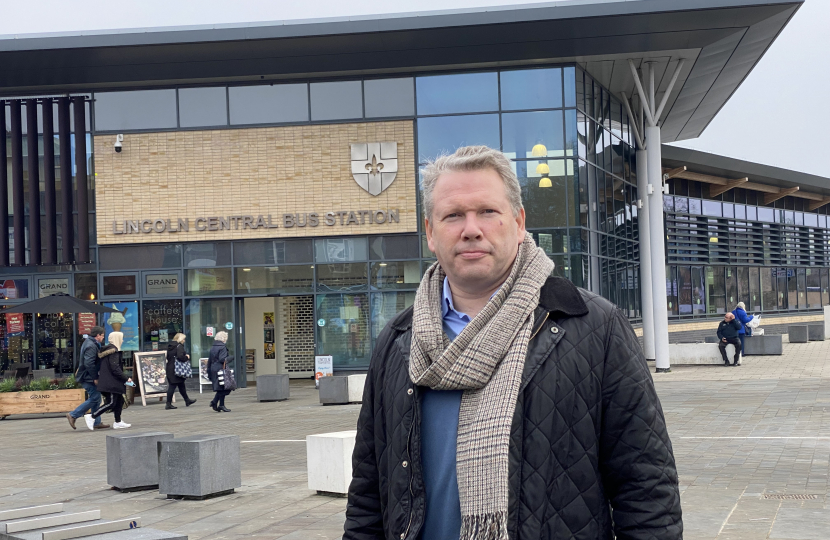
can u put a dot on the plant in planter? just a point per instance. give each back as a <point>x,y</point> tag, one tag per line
<point>44,395</point>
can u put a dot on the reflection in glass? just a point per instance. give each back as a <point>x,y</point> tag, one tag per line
<point>119,285</point>
<point>444,135</point>
<point>570,86</point>
<point>345,332</point>
<point>274,279</point>
<point>273,252</point>
<point>15,289</point>
<point>207,254</point>
<point>531,89</point>
<point>467,92</point>
<point>813,285</point>
<point>209,281</point>
<point>393,247</point>
<point>86,286</point>
<point>544,191</point>
<point>341,277</point>
<point>340,249</point>
<point>533,134</point>
<point>202,315</point>
<point>694,206</point>
<point>386,305</point>
<point>396,275</point>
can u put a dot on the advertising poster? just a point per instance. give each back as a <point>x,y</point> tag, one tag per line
<point>204,376</point>
<point>270,352</point>
<point>14,289</point>
<point>14,323</point>
<point>323,367</point>
<point>124,321</point>
<point>250,360</point>
<point>85,323</point>
<point>150,368</point>
<point>268,319</point>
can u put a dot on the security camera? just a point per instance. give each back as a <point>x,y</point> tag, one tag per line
<point>118,140</point>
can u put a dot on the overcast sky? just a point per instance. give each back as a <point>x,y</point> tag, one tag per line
<point>776,117</point>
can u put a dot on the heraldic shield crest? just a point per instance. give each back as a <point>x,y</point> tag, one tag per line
<point>375,165</point>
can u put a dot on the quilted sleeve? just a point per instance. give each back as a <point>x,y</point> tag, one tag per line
<point>364,515</point>
<point>636,458</point>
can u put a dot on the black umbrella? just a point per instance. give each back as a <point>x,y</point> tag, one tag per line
<point>58,303</point>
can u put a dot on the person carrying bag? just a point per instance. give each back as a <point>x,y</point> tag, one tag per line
<point>221,377</point>
<point>177,370</point>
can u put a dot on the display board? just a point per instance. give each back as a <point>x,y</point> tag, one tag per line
<point>150,372</point>
<point>204,375</point>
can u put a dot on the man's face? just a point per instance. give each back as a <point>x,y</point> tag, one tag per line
<point>728,317</point>
<point>472,229</point>
<point>99,338</point>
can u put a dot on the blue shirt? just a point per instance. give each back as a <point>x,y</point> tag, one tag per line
<point>439,432</point>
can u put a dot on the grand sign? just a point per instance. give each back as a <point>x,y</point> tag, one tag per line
<point>274,182</point>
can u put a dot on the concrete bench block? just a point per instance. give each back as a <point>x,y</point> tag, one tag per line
<point>356,384</point>
<point>272,388</point>
<point>329,458</point>
<point>711,339</point>
<point>763,345</point>
<point>698,354</point>
<point>132,460</point>
<point>199,466</point>
<point>334,390</point>
<point>815,332</point>
<point>798,333</point>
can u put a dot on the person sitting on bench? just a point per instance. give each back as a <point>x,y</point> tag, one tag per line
<point>728,330</point>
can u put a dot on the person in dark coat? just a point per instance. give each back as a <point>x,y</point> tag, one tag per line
<point>728,334</point>
<point>216,363</point>
<point>111,381</point>
<point>175,353</point>
<point>505,403</point>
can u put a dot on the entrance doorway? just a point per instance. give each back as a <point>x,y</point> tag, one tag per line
<point>278,336</point>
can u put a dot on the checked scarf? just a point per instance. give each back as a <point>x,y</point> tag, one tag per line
<point>486,360</point>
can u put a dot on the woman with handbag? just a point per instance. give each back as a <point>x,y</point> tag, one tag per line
<point>177,370</point>
<point>220,375</point>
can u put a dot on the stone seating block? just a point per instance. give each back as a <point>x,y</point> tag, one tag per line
<point>356,384</point>
<point>763,345</point>
<point>329,458</point>
<point>199,466</point>
<point>698,354</point>
<point>798,333</point>
<point>711,339</point>
<point>272,388</point>
<point>815,332</point>
<point>334,390</point>
<point>132,460</point>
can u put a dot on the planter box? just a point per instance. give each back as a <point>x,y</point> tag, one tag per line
<point>47,401</point>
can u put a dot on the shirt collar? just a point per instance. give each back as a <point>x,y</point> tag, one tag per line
<point>446,302</point>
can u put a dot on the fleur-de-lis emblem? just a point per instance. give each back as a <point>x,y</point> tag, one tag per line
<point>374,165</point>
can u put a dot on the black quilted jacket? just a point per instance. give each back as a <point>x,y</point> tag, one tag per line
<point>590,457</point>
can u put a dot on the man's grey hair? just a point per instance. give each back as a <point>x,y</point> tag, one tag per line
<point>471,158</point>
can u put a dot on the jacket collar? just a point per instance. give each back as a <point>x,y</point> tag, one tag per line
<point>558,296</point>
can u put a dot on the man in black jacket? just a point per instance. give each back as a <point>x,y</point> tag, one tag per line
<point>506,403</point>
<point>728,330</point>
<point>87,377</point>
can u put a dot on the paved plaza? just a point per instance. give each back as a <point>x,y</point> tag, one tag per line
<point>752,445</point>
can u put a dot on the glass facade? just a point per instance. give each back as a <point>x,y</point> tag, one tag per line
<point>570,145</point>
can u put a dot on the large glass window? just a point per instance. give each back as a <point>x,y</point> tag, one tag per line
<point>273,252</point>
<point>533,134</point>
<point>275,279</point>
<point>393,247</point>
<point>207,254</point>
<point>343,329</point>
<point>545,192</point>
<point>342,277</point>
<point>336,250</point>
<point>120,285</point>
<point>531,89</point>
<point>395,275</point>
<point>825,287</point>
<point>139,257</point>
<point>813,284</point>
<point>203,107</point>
<point>802,289</point>
<point>386,305</point>
<point>698,291</point>
<point>792,289</point>
<point>467,92</point>
<point>209,282</point>
<point>55,338</point>
<point>204,319</point>
<point>754,289</point>
<point>161,321</point>
<point>86,286</point>
<point>138,109</point>
<point>16,339</point>
<point>445,134</point>
<point>14,289</point>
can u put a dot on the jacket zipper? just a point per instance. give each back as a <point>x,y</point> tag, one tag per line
<point>547,313</point>
<point>412,471</point>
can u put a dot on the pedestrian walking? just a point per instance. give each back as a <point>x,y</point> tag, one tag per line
<point>177,370</point>
<point>111,381</point>
<point>728,332</point>
<point>742,317</point>
<point>506,403</point>
<point>87,376</point>
<point>217,364</point>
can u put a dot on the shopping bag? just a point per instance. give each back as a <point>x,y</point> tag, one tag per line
<point>226,376</point>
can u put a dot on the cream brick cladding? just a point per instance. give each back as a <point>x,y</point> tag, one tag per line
<point>237,172</point>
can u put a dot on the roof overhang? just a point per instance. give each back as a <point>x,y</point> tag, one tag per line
<point>721,41</point>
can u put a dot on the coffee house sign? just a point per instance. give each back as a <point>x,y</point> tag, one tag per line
<point>356,218</point>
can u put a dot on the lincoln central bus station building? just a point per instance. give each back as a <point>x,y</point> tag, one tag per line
<point>263,179</point>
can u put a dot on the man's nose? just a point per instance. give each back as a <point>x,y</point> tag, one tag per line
<point>471,231</point>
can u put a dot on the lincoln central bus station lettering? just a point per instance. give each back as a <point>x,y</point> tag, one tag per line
<point>286,221</point>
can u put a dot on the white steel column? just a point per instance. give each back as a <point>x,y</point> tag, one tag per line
<point>652,194</point>
<point>646,307</point>
<point>658,249</point>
